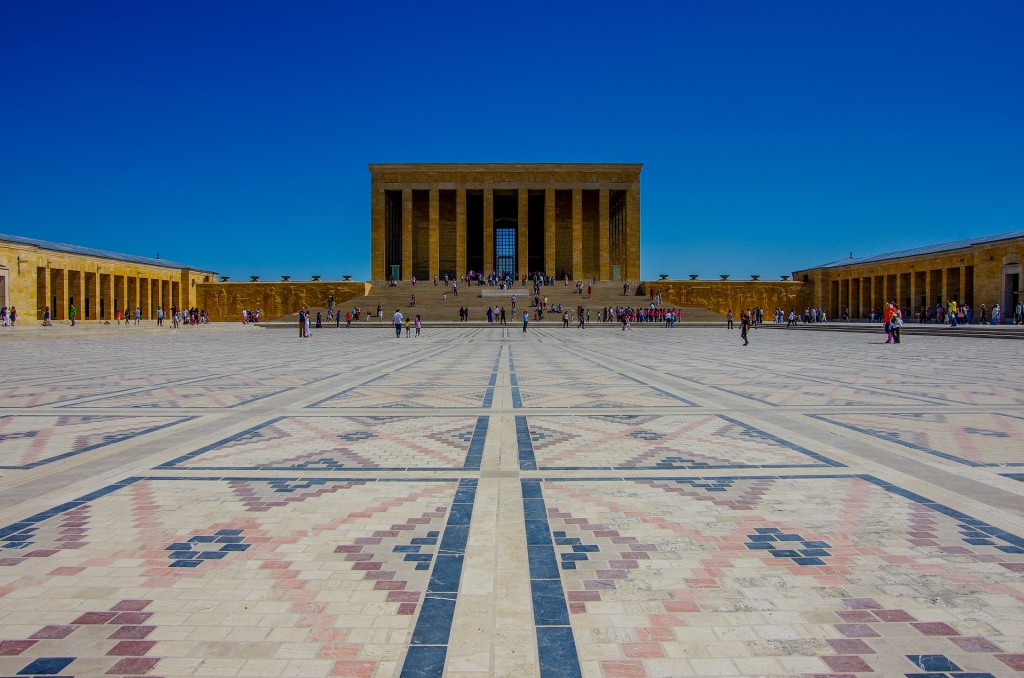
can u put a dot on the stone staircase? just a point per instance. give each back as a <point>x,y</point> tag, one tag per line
<point>433,307</point>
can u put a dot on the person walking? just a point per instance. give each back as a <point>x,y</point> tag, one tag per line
<point>418,323</point>
<point>526,320</point>
<point>71,314</point>
<point>138,314</point>
<point>397,319</point>
<point>744,326</point>
<point>728,320</point>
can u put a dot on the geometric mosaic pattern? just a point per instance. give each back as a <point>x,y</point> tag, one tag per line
<point>697,569</point>
<point>973,439</point>
<point>346,443</point>
<point>27,441</point>
<point>189,395</point>
<point>486,502</point>
<point>660,441</point>
<point>383,558</point>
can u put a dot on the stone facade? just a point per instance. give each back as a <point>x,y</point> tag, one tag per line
<point>722,296</point>
<point>979,271</point>
<point>36,274</point>
<point>581,220</point>
<point>224,301</point>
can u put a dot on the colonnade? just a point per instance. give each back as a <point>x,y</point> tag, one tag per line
<point>572,220</point>
<point>99,295</point>
<point>911,289</point>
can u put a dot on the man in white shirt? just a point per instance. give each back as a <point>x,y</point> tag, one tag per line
<point>397,318</point>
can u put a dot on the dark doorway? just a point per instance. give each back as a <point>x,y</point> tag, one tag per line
<point>505,250</point>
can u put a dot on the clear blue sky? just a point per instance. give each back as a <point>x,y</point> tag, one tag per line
<point>235,135</point>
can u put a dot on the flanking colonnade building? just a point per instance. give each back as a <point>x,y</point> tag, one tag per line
<point>36,274</point>
<point>576,220</point>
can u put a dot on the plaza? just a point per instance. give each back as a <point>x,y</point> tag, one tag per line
<point>236,501</point>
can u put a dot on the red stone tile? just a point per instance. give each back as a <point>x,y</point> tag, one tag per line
<point>53,632</point>
<point>131,648</point>
<point>850,646</point>
<point>131,605</point>
<point>95,618</point>
<point>9,562</point>
<point>585,596</point>
<point>11,648</point>
<point>847,663</point>
<point>389,586</point>
<point>131,632</point>
<point>976,644</point>
<point>655,634</point>
<point>403,596</point>
<point>348,548</point>
<point>131,618</point>
<point>856,615</point>
<point>41,553</point>
<point>407,608</point>
<point>935,629</point>
<point>643,650</point>
<point>681,606</point>
<point>65,571</point>
<point>133,665</point>
<point>623,669</point>
<point>1014,661</point>
<point>367,566</point>
<point>352,669</point>
<point>358,557</point>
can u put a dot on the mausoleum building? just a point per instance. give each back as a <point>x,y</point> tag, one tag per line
<point>576,220</point>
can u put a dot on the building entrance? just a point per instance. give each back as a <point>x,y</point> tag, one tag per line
<point>505,250</point>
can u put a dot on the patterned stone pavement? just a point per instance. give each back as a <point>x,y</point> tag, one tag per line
<point>235,501</point>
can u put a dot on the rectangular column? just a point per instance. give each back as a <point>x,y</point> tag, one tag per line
<point>44,290</point>
<point>549,231</point>
<point>76,290</point>
<point>406,234</point>
<point>488,231</point>
<point>577,234</point>
<point>913,295</point>
<point>434,224</point>
<point>107,295</point>
<point>377,236</point>
<point>523,233</point>
<point>604,269</point>
<point>961,299</point>
<point>633,233</point>
<point>460,232</point>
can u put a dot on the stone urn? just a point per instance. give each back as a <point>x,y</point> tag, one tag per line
<point>346,278</point>
<point>315,277</point>
<point>724,276</point>
<point>694,276</point>
<point>663,276</point>
<point>783,277</point>
<point>285,278</point>
<point>254,278</point>
<point>754,276</point>
<point>224,278</point>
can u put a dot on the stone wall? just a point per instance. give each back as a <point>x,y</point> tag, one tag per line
<point>224,301</point>
<point>724,295</point>
<point>33,278</point>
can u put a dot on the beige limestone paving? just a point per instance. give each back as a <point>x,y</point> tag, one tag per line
<point>231,500</point>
